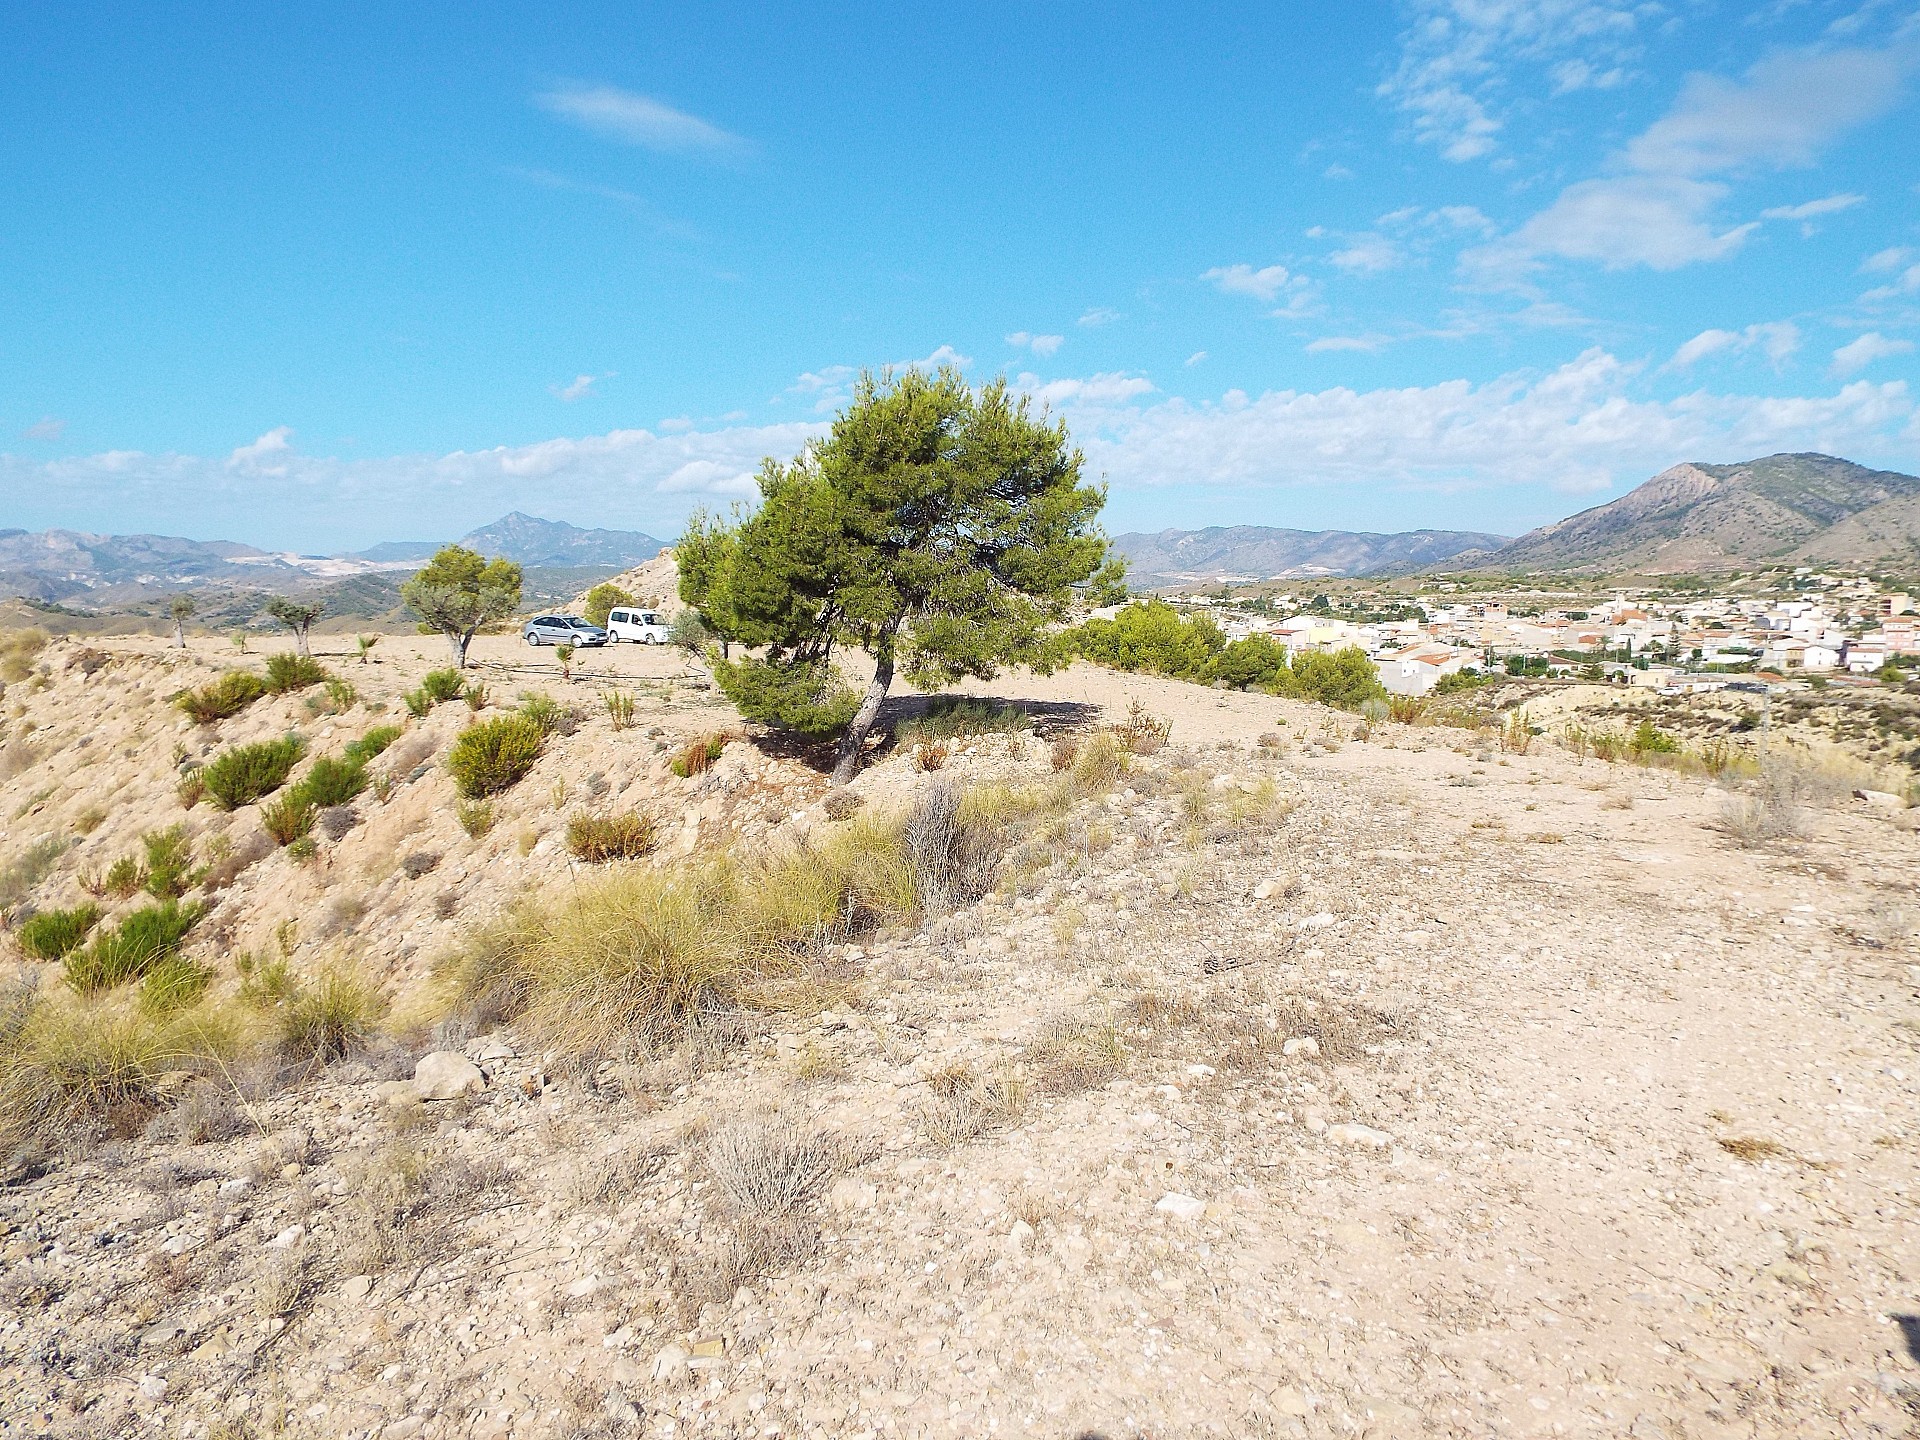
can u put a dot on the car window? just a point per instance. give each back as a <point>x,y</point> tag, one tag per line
<point>616,617</point>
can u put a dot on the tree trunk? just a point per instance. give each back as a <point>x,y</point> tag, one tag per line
<point>179,634</point>
<point>855,740</point>
<point>300,639</point>
<point>459,644</point>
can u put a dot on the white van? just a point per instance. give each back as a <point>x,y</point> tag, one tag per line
<point>644,627</point>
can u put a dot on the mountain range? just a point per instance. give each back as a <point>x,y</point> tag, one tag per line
<point>1264,552</point>
<point>1697,518</point>
<point>61,565</point>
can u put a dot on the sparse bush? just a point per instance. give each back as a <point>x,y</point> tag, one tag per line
<point>169,869</point>
<point>442,685</point>
<point>1408,709</point>
<point>1648,739</point>
<point>549,714</point>
<point>287,672</point>
<point>332,782</point>
<point>50,934</point>
<point>34,864</point>
<point>842,804</point>
<point>698,755</point>
<point>770,1165</point>
<point>224,698</point>
<point>1516,734</point>
<point>619,708</point>
<point>418,704</point>
<point>131,948</point>
<point>601,838</point>
<point>290,818</point>
<point>1142,732</point>
<point>419,863</point>
<point>336,820</point>
<point>330,1017</point>
<point>1099,764</point>
<point>17,653</point>
<point>1063,751</point>
<point>227,860</point>
<point>1775,807</point>
<point>123,877</point>
<point>476,697</point>
<point>243,774</point>
<point>475,817</point>
<point>340,694</point>
<point>492,755</point>
<point>190,789</point>
<point>952,859</point>
<point>371,745</point>
<point>929,755</point>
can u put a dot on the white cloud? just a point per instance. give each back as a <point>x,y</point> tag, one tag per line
<point>1886,261</point>
<point>1098,315</point>
<point>579,387</point>
<point>1367,255</point>
<point>1368,344</point>
<point>266,456</point>
<point>632,119</point>
<point>1262,284</point>
<point>1580,426</point>
<point>1459,60</point>
<point>1776,339</point>
<point>1858,354</point>
<point>942,355</point>
<point>1195,358</point>
<point>1041,345</point>
<point>1808,210</point>
<point>48,427</point>
<point>1908,283</point>
<point>1337,172</point>
<point>1653,220</point>
<point>1787,110</point>
<point>1111,388</point>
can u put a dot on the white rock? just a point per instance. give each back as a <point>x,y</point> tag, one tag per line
<point>1885,799</point>
<point>1301,1045</point>
<point>671,1362</point>
<point>1317,922</point>
<point>1364,1135</point>
<point>289,1236</point>
<point>356,1287</point>
<point>446,1075</point>
<point>494,1048</point>
<point>1018,1236</point>
<point>152,1387</point>
<point>1264,890</point>
<point>1181,1207</point>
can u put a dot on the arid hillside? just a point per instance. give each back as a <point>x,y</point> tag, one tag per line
<point>1114,1057</point>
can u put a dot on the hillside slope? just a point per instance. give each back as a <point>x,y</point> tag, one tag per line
<point>1697,517</point>
<point>1266,552</point>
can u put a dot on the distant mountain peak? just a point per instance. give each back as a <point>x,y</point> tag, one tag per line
<point>531,540</point>
<point>1697,516</point>
<point>1267,552</point>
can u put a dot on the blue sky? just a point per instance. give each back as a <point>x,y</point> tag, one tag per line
<point>314,281</point>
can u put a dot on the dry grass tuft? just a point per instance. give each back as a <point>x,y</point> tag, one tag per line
<point>598,839</point>
<point>1752,1150</point>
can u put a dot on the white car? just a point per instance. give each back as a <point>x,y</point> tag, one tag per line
<point>643,627</point>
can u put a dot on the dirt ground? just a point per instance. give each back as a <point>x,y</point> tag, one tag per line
<point>1454,1093</point>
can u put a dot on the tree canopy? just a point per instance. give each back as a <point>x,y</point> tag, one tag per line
<point>297,617</point>
<point>600,602</point>
<point>939,529</point>
<point>459,592</point>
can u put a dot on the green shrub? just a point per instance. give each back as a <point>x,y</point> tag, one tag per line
<point>812,700</point>
<point>340,694</point>
<point>288,671</point>
<point>419,704</point>
<point>549,714</point>
<point>441,686</point>
<point>1467,679</point>
<point>123,877</point>
<point>492,755</point>
<point>170,872</point>
<point>289,818</point>
<point>1257,661</point>
<point>243,774</point>
<point>370,745</point>
<point>600,838</point>
<point>52,933</point>
<point>600,602</point>
<point>332,782</point>
<point>1151,635</point>
<point>1341,678</point>
<point>1649,739</point>
<point>132,947</point>
<point>475,817</point>
<point>224,698</point>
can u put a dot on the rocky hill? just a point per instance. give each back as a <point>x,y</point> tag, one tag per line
<point>1265,552</point>
<point>533,541</point>
<point>1702,518</point>
<point>1304,1077</point>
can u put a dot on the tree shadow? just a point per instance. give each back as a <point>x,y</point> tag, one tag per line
<point>1049,717</point>
<point>1910,1332</point>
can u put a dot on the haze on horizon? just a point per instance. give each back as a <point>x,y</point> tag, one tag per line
<point>315,281</point>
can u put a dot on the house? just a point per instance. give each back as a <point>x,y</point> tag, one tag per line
<point>1784,652</point>
<point>1416,669</point>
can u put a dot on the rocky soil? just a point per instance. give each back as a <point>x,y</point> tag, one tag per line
<point>1301,1085</point>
